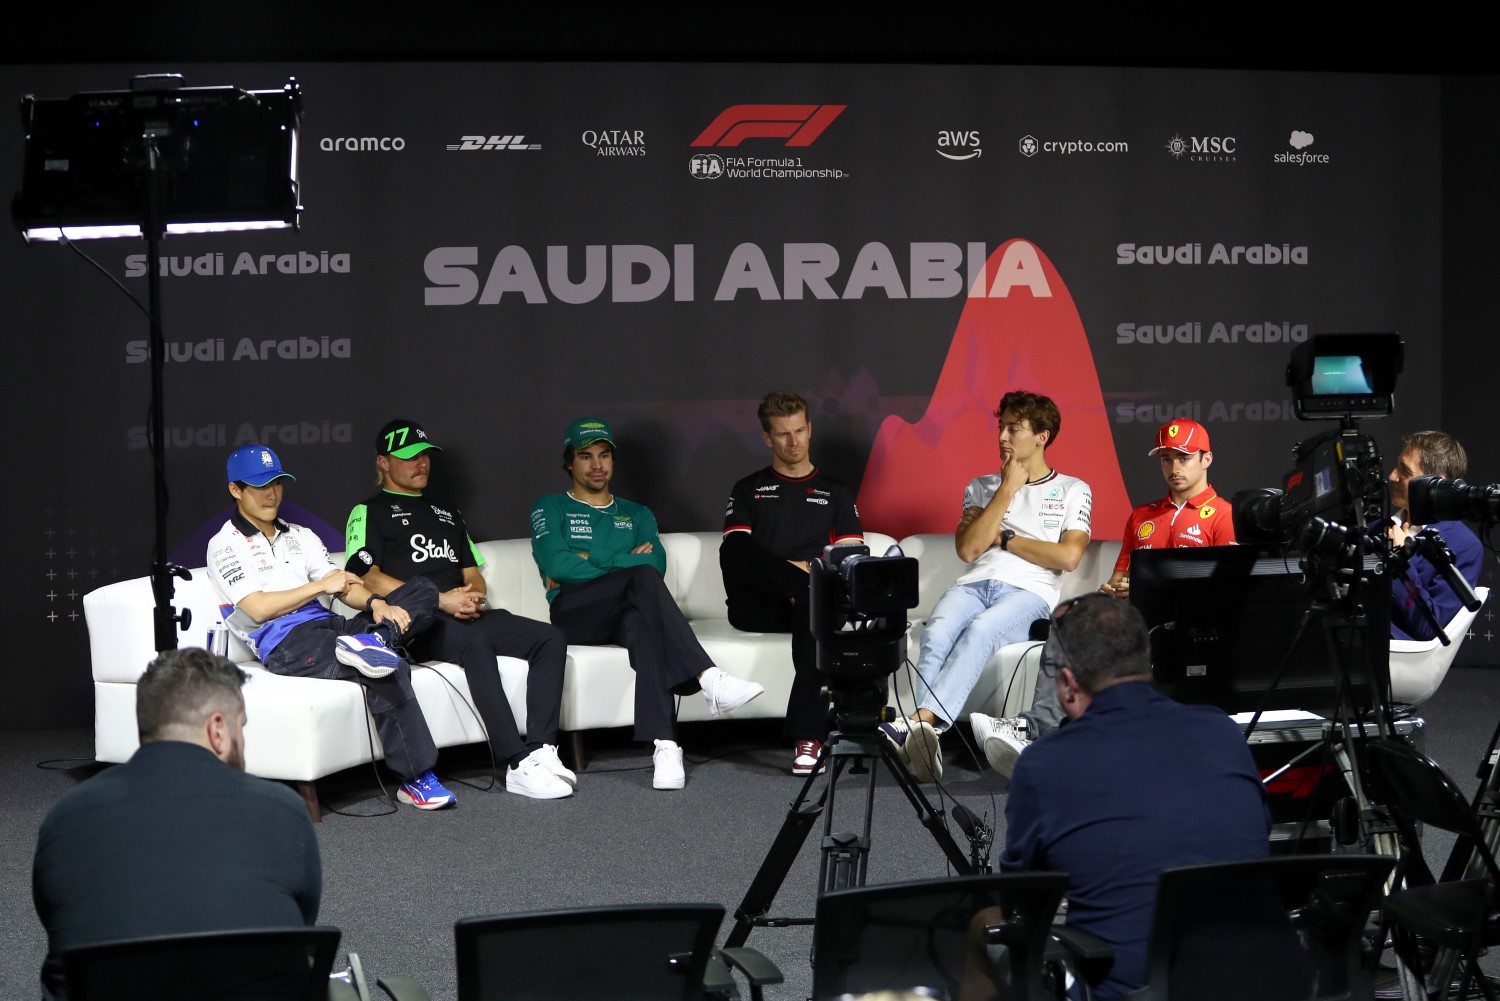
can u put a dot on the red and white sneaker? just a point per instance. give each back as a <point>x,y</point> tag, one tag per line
<point>806,757</point>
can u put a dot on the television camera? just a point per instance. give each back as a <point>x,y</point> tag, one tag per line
<point>1337,486</point>
<point>857,605</point>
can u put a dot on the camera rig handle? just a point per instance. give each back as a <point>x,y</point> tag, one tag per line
<point>1429,543</point>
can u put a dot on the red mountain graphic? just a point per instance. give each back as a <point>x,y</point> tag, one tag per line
<point>1024,334</point>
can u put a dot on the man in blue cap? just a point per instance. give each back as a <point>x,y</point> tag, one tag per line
<point>270,576</point>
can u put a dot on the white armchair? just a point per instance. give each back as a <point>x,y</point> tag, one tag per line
<point>1419,666</point>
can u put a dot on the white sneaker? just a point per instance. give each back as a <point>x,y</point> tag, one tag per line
<point>668,760</point>
<point>532,778</point>
<point>724,692</point>
<point>1003,740</point>
<point>547,753</point>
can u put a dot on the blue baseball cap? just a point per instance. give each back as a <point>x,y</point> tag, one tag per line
<point>256,465</point>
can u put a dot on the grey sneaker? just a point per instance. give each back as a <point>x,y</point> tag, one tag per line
<point>1003,740</point>
<point>917,743</point>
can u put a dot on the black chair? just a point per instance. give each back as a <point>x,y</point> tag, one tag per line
<point>1458,913</point>
<point>932,934</point>
<point>1288,928</point>
<point>649,952</point>
<point>277,964</point>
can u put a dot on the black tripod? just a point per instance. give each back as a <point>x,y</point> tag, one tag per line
<point>855,746</point>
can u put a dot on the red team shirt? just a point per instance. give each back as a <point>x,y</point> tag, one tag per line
<point>1205,520</point>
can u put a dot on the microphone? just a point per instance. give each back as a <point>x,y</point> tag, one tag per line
<point>979,835</point>
<point>972,826</point>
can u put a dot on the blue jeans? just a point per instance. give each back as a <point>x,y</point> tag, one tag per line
<point>968,624</point>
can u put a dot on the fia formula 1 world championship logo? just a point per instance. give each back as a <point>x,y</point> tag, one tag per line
<point>799,124</point>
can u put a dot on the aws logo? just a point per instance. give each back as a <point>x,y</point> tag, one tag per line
<point>965,145</point>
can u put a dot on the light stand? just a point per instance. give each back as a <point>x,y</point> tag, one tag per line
<point>153,160</point>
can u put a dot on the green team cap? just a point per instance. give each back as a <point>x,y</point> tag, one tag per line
<point>587,430</point>
<point>404,439</point>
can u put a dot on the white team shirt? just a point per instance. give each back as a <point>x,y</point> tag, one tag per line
<point>1043,510</point>
<point>241,564</point>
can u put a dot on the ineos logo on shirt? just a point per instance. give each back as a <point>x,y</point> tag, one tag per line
<point>423,550</point>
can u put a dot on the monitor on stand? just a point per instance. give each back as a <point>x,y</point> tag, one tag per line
<point>1230,627</point>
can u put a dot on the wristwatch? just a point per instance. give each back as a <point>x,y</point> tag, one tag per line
<point>1005,538</point>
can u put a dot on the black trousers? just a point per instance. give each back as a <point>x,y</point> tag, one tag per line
<point>633,608</point>
<point>308,652</point>
<point>473,644</point>
<point>768,595</point>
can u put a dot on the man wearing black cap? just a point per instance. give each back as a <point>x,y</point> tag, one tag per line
<point>602,562</point>
<point>270,576</point>
<point>399,535</point>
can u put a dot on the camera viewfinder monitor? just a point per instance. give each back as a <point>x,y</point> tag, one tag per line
<point>1225,621</point>
<point>1345,375</point>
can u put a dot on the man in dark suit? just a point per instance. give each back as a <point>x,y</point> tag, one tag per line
<point>178,839</point>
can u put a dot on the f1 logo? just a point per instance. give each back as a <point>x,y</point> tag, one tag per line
<point>798,124</point>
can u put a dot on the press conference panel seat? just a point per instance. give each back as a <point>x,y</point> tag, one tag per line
<point>279,964</point>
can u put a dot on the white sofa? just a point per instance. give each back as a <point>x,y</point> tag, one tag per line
<point>301,729</point>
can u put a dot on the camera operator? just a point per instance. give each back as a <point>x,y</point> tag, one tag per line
<point>1428,453</point>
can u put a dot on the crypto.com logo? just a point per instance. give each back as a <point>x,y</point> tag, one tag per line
<point>798,124</point>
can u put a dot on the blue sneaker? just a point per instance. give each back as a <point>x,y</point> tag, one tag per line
<point>425,792</point>
<point>367,654</point>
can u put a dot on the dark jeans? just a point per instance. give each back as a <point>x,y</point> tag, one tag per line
<point>473,644</point>
<point>308,652</point>
<point>633,608</point>
<point>766,594</point>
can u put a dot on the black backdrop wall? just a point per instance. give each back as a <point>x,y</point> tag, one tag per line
<point>531,242</point>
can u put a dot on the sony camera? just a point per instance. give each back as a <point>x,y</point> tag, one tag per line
<point>857,610</point>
